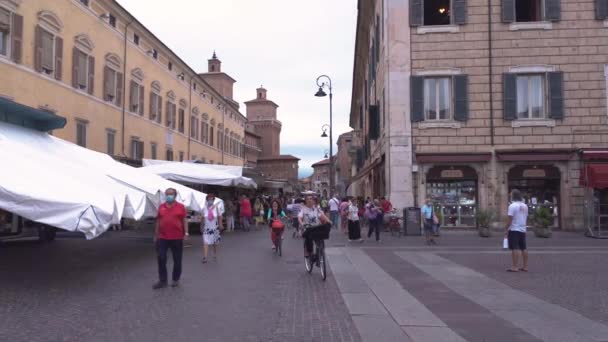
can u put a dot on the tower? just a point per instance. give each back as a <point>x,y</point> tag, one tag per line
<point>262,115</point>
<point>220,81</point>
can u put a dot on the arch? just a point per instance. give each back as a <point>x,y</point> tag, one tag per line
<point>84,43</point>
<point>156,86</point>
<point>137,74</point>
<point>171,95</point>
<point>50,21</point>
<point>11,5</point>
<point>205,116</point>
<point>195,111</point>
<point>113,60</point>
<point>183,103</point>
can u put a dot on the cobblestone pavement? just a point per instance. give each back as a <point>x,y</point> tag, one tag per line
<point>100,290</point>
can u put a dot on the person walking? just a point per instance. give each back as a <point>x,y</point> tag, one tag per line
<point>343,209</point>
<point>229,210</point>
<point>354,229</point>
<point>275,213</point>
<point>169,233</point>
<point>245,213</point>
<point>334,209</point>
<point>515,231</point>
<point>212,226</point>
<point>430,219</point>
<point>373,217</point>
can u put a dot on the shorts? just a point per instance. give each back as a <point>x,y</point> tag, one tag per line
<point>517,240</point>
<point>429,226</point>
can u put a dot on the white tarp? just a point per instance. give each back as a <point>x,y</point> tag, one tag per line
<point>231,169</point>
<point>55,182</point>
<point>193,173</point>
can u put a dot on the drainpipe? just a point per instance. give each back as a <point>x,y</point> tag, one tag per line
<point>224,135</point>
<point>490,73</point>
<point>124,87</point>
<point>188,157</point>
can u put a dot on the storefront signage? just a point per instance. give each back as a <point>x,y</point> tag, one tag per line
<point>452,174</point>
<point>534,173</point>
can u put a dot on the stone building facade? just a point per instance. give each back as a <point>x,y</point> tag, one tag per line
<point>320,178</point>
<point>344,162</point>
<point>121,89</point>
<point>463,101</point>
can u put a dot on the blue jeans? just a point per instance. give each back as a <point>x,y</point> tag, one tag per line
<point>333,216</point>
<point>176,247</point>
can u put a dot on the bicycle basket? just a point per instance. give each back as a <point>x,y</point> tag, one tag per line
<point>317,232</point>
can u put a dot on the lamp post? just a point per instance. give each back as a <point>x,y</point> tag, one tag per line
<point>324,81</point>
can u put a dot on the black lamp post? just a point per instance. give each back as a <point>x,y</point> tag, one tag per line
<point>321,93</point>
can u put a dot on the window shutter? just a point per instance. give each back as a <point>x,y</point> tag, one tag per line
<point>107,92</point>
<point>75,69</point>
<point>152,107</point>
<point>374,123</point>
<point>417,98</point>
<point>119,88</point>
<point>58,58</point>
<point>601,9</point>
<point>508,11</point>
<point>416,13</point>
<point>174,114</point>
<point>553,10</point>
<point>140,109</point>
<point>556,95</point>
<point>141,149</point>
<point>91,85</point>
<point>38,49</point>
<point>159,109</point>
<point>460,12</point>
<point>133,97</point>
<point>168,114</point>
<point>509,96</point>
<point>17,36</point>
<point>461,97</point>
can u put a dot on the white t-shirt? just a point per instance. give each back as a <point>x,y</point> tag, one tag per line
<point>310,216</point>
<point>519,212</point>
<point>353,213</point>
<point>334,204</point>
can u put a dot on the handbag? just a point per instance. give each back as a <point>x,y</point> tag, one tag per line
<point>277,224</point>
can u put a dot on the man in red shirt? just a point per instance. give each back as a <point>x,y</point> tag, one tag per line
<point>171,230</point>
<point>246,213</point>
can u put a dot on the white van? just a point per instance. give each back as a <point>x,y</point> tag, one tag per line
<point>14,227</point>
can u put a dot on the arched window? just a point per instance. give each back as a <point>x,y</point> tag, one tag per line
<point>48,45</point>
<point>83,64</point>
<point>136,91</point>
<point>156,102</point>
<point>113,79</point>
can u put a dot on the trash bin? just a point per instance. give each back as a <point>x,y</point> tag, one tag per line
<point>412,221</point>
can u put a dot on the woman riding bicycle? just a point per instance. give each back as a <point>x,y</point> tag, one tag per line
<point>310,216</point>
<point>275,213</point>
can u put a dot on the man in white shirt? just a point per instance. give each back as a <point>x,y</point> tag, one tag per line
<point>334,206</point>
<point>516,231</point>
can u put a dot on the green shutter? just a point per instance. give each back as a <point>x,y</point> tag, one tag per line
<point>374,122</point>
<point>508,11</point>
<point>460,12</point>
<point>509,96</point>
<point>556,94</point>
<point>417,98</point>
<point>416,13</point>
<point>601,9</point>
<point>553,10</point>
<point>461,97</point>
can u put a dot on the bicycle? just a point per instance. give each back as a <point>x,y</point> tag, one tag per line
<point>278,241</point>
<point>394,224</point>
<point>318,234</point>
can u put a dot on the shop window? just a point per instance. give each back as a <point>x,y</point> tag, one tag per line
<point>539,186</point>
<point>437,99</point>
<point>5,31</point>
<point>81,133</point>
<point>110,137</point>
<point>437,12</point>
<point>531,97</point>
<point>529,10</point>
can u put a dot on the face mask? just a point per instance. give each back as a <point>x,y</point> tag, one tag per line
<point>170,198</point>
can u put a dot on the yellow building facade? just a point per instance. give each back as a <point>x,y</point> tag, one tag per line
<point>122,91</point>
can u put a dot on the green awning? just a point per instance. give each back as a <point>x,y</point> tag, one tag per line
<point>22,115</point>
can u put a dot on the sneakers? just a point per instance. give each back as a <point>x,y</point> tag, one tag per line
<point>159,285</point>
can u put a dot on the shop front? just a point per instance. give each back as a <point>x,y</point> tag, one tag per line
<point>454,192</point>
<point>539,186</point>
<point>594,177</point>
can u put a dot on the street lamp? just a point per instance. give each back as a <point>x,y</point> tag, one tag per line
<point>324,81</point>
<point>326,153</point>
<point>324,129</point>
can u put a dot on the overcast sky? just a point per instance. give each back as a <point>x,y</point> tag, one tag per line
<point>283,44</point>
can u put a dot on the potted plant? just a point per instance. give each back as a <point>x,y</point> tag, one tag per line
<point>542,219</point>
<point>485,217</point>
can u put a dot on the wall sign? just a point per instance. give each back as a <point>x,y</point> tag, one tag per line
<point>534,173</point>
<point>452,174</point>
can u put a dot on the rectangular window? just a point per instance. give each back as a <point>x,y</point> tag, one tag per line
<point>169,154</point>
<point>5,31</point>
<point>154,107</point>
<point>211,136</point>
<point>181,120</point>
<point>531,97</point>
<point>135,39</point>
<point>170,66</point>
<point>110,136</point>
<point>529,10</point>
<point>47,62</point>
<point>181,156</point>
<point>154,54</point>
<point>437,12</point>
<point>81,133</point>
<point>153,150</point>
<point>82,61</point>
<point>112,20</point>
<point>437,98</point>
<point>204,131</point>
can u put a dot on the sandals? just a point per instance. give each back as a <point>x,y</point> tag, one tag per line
<point>204,260</point>
<point>512,270</point>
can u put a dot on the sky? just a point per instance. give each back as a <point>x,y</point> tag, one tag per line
<point>283,45</point>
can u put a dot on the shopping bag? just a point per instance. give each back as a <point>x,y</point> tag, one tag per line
<point>505,243</point>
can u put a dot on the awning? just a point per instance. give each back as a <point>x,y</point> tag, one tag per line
<point>539,155</point>
<point>595,176</point>
<point>192,173</point>
<point>22,115</point>
<point>422,158</point>
<point>594,154</point>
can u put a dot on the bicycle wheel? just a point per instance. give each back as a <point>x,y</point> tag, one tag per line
<point>322,261</point>
<point>308,264</point>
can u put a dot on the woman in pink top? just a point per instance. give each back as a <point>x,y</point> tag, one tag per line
<point>245,212</point>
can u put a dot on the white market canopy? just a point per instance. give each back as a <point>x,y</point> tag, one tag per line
<point>55,182</point>
<point>193,173</point>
